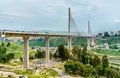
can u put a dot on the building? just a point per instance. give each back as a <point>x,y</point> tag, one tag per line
<point>106,45</point>
<point>100,35</point>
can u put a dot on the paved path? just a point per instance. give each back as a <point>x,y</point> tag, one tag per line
<point>63,75</point>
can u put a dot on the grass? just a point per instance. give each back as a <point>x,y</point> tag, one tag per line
<point>115,64</point>
<point>15,63</point>
<point>107,52</point>
<point>25,72</point>
<point>43,75</point>
<point>36,76</point>
<point>47,73</point>
<point>53,73</point>
<point>61,67</point>
<point>4,77</point>
<point>18,50</point>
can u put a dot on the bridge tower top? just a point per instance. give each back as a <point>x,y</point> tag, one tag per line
<point>89,29</point>
<point>69,17</point>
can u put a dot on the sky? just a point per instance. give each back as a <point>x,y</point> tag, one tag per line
<point>36,15</point>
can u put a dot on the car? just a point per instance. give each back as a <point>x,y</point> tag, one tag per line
<point>21,76</point>
<point>46,33</point>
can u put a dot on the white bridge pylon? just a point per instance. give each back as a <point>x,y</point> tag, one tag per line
<point>90,41</point>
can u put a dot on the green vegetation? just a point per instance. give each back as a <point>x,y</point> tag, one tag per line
<point>87,70</point>
<point>4,57</point>
<point>74,67</point>
<point>112,73</point>
<point>109,40</point>
<point>107,52</point>
<point>89,65</point>
<point>78,63</point>
<point>113,46</point>
<point>53,73</point>
<point>54,42</point>
<point>24,72</point>
<point>36,76</point>
<point>96,61</point>
<point>40,53</point>
<point>105,62</point>
<point>14,48</point>
<point>47,73</point>
<point>15,63</point>
<point>62,53</point>
<point>75,51</point>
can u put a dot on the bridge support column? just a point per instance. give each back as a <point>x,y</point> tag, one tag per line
<point>88,44</point>
<point>47,54</point>
<point>69,43</point>
<point>92,42</point>
<point>26,52</point>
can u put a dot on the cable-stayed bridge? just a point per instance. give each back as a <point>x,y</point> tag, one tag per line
<point>72,32</point>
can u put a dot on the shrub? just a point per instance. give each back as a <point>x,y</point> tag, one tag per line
<point>74,68</point>
<point>99,70</point>
<point>78,68</point>
<point>10,56</point>
<point>105,62</point>
<point>96,61</point>
<point>111,73</point>
<point>63,53</point>
<point>118,74</point>
<point>40,54</point>
<point>8,44</point>
<point>88,70</point>
<point>68,66</point>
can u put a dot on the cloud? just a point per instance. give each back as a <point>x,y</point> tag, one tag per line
<point>117,20</point>
<point>53,14</point>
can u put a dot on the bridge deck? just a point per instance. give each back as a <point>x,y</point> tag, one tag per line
<point>33,34</point>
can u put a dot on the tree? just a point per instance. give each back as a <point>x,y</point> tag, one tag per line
<point>106,34</point>
<point>40,54</point>
<point>74,68</point>
<point>111,73</point>
<point>75,50</point>
<point>55,55</point>
<point>3,51</point>
<point>3,57</point>
<point>85,55</point>
<point>96,61</point>
<point>99,70</point>
<point>62,53</point>
<point>84,49</point>
<point>3,44</point>
<point>66,54</point>
<point>10,56</point>
<point>88,70</point>
<point>85,59</point>
<point>8,44</point>
<point>105,62</point>
<point>91,60</point>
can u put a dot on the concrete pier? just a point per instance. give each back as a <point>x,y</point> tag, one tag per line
<point>26,52</point>
<point>47,54</point>
<point>69,43</point>
<point>92,41</point>
<point>88,44</point>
